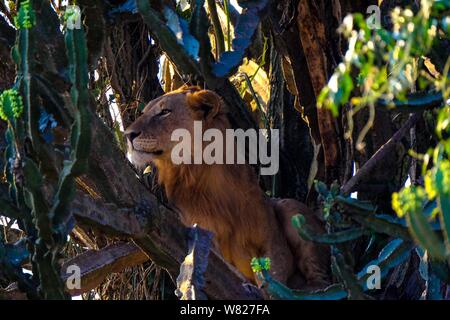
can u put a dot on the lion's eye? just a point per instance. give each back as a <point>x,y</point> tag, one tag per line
<point>164,112</point>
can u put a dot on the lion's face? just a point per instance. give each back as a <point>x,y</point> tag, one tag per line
<point>149,137</point>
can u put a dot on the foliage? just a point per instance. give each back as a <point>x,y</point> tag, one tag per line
<point>260,264</point>
<point>26,17</point>
<point>436,167</point>
<point>46,222</point>
<point>392,71</point>
<point>11,105</point>
<point>390,64</point>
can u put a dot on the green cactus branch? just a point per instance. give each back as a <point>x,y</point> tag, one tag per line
<point>391,256</point>
<point>348,278</point>
<point>50,218</point>
<point>51,286</point>
<point>81,132</point>
<point>383,226</point>
<point>365,215</point>
<point>35,199</point>
<point>43,248</point>
<point>306,233</point>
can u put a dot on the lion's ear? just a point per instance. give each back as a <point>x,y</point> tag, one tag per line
<point>189,88</point>
<point>205,104</point>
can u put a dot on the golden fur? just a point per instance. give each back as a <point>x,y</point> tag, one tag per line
<point>225,199</point>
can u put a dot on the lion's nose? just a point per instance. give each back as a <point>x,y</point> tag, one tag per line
<point>131,135</point>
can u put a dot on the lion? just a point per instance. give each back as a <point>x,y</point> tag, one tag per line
<point>225,199</point>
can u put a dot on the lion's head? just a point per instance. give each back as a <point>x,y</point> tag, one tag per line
<point>149,137</point>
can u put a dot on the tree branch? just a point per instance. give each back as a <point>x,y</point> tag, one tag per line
<point>95,265</point>
<point>220,42</point>
<point>157,231</point>
<point>353,183</point>
<point>240,116</point>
